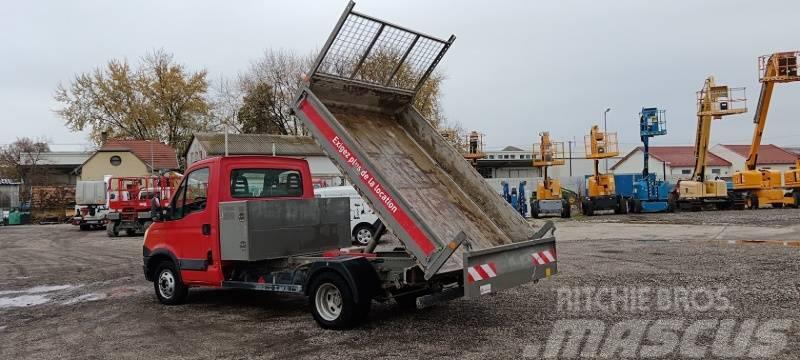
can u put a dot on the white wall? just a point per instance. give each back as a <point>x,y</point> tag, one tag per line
<point>634,164</point>
<point>196,152</point>
<point>738,161</point>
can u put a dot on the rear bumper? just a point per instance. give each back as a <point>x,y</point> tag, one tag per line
<point>550,207</point>
<point>605,202</point>
<point>507,266</point>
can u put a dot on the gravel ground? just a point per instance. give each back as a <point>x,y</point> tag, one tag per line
<point>71,294</point>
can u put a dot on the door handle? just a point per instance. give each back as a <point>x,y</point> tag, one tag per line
<point>206,228</point>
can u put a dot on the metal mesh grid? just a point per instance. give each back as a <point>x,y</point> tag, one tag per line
<point>550,155</point>
<point>379,53</point>
<point>721,101</point>
<point>784,67</point>
<point>600,149</point>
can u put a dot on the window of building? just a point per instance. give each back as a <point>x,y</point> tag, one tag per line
<point>686,172</point>
<point>485,172</point>
<point>115,160</point>
<point>715,171</point>
<point>505,156</point>
<point>491,157</point>
<point>265,183</point>
<point>513,156</point>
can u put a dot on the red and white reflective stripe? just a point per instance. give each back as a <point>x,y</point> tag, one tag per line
<point>481,272</point>
<point>543,257</point>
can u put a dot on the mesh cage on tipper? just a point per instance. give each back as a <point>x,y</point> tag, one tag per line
<point>371,51</point>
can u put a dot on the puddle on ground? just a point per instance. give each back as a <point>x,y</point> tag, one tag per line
<point>63,295</point>
<point>84,298</point>
<point>38,289</point>
<point>23,301</point>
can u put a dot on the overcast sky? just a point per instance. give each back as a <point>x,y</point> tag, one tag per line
<point>516,68</point>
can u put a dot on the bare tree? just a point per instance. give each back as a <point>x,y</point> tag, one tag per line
<point>21,160</point>
<point>280,72</point>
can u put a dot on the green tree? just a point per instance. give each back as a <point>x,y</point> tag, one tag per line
<point>158,99</point>
<point>257,113</point>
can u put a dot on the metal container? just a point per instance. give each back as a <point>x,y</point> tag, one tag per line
<point>256,230</point>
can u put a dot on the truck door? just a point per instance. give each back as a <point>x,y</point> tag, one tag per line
<point>193,230</point>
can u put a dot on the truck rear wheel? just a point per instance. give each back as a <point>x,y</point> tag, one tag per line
<point>535,210</point>
<point>333,304</point>
<point>169,287</point>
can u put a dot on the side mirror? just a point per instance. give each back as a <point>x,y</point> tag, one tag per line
<point>158,213</point>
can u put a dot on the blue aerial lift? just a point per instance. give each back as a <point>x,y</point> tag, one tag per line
<point>516,197</point>
<point>650,194</point>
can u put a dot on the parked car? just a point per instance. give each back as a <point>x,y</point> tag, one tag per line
<point>362,217</point>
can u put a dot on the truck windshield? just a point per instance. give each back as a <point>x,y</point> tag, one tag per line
<point>265,183</point>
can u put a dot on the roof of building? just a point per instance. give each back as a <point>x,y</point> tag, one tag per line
<point>511,148</point>
<point>161,156</point>
<point>794,149</point>
<point>767,154</point>
<point>253,144</point>
<point>59,158</point>
<point>676,156</point>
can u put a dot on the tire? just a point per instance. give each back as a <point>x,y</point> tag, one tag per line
<point>168,285</point>
<point>588,210</point>
<point>535,210</point>
<point>112,229</point>
<point>85,227</point>
<point>362,234</point>
<point>333,305</point>
<point>672,202</point>
<point>130,232</point>
<point>753,202</point>
<point>637,206</point>
<point>623,205</point>
<point>796,196</point>
<point>566,211</point>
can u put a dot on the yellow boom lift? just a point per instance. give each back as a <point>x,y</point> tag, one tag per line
<point>600,189</point>
<point>713,102</point>
<point>759,187</point>
<point>549,200</point>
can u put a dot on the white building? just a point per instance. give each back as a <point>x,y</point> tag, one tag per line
<point>675,162</point>
<point>323,170</point>
<point>769,156</point>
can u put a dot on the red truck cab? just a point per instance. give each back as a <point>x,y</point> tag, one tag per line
<point>182,247</point>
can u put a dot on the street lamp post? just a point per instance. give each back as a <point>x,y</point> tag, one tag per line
<point>605,131</point>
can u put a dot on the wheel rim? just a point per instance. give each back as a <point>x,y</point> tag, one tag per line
<point>363,236</point>
<point>166,284</point>
<point>328,302</point>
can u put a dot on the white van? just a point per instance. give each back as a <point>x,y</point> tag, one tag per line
<point>362,217</point>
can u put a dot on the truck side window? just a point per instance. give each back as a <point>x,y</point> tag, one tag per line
<point>192,194</point>
<point>265,183</point>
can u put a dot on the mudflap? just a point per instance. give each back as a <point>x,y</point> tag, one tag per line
<point>491,270</point>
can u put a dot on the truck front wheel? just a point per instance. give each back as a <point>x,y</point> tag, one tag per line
<point>169,287</point>
<point>333,304</point>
